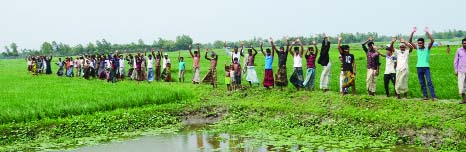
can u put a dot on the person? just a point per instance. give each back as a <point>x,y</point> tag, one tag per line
<point>297,77</point>
<point>448,49</point>
<point>34,66</point>
<point>130,60</point>
<point>348,67</point>
<point>101,65</point>
<point>196,66</point>
<point>181,67</point>
<point>29,63</point>
<point>324,61</point>
<point>280,77</point>
<point>460,70</point>
<point>212,75</point>
<point>423,70</point>
<point>150,66</point>
<point>390,66</point>
<point>121,69</point>
<point>402,68</point>
<point>227,76</point>
<point>158,57</point>
<point>236,73</point>
<point>166,71</point>
<point>235,54</point>
<point>108,68</point>
<point>115,62</point>
<point>60,64</point>
<point>310,56</point>
<point>48,69</point>
<point>268,74</point>
<point>70,67</point>
<point>251,75</point>
<point>78,65</point>
<point>372,65</point>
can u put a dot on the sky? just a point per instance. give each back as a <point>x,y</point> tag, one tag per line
<point>31,22</point>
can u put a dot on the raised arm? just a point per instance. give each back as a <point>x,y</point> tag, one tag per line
<point>302,47</point>
<point>262,49</point>
<point>287,44</point>
<point>339,44</point>
<point>242,48</point>
<point>315,47</point>
<point>206,52</point>
<point>364,47</point>
<point>273,47</point>
<point>153,53</point>
<point>402,40</point>
<point>226,49</point>
<point>179,55</point>
<point>290,49</point>
<point>190,51</point>
<point>255,51</point>
<point>410,41</point>
<point>430,37</point>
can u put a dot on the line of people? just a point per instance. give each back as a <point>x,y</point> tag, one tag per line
<point>111,67</point>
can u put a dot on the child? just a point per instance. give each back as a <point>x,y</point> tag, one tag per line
<point>311,66</point>
<point>348,67</point>
<point>237,74</point>
<point>268,74</point>
<point>227,77</point>
<point>390,65</point>
<point>168,77</point>
<point>212,75</point>
<point>181,67</point>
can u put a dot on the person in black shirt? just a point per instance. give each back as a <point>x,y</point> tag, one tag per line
<point>348,67</point>
<point>281,78</point>
<point>325,62</point>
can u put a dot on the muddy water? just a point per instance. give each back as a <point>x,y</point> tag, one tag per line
<point>194,139</point>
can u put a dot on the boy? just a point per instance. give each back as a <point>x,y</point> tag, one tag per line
<point>237,73</point>
<point>348,67</point>
<point>181,67</point>
<point>390,65</point>
<point>311,66</point>
<point>227,76</point>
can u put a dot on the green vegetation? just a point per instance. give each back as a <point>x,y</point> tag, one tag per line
<point>58,112</point>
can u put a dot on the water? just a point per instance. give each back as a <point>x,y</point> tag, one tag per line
<point>193,139</point>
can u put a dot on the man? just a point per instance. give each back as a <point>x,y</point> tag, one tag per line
<point>372,65</point>
<point>324,61</point>
<point>251,75</point>
<point>235,54</point>
<point>281,78</point>
<point>348,68</point>
<point>460,70</point>
<point>297,78</point>
<point>402,68</point>
<point>423,70</point>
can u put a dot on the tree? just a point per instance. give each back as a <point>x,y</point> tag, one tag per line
<point>14,49</point>
<point>46,48</point>
<point>182,42</point>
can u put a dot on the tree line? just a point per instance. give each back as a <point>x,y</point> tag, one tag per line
<point>183,41</point>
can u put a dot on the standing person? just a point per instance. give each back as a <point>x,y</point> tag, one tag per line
<point>34,66</point>
<point>281,78</point>
<point>29,63</point>
<point>101,67</point>
<point>70,68</point>
<point>212,75</point>
<point>268,74</point>
<point>166,71</point>
<point>372,65</point>
<point>348,67</point>
<point>235,54</point>
<point>77,64</point>
<point>115,61</point>
<point>448,49</point>
<point>139,68</point>
<point>402,68</point>
<point>60,64</point>
<point>251,75</point>
<point>150,67</point>
<point>324,61</point>
<point>158,58</point>
<point>460,70</point>
<point>48,65</point>
<point>423,70</point>
<point>181,67</point>
<point>297,77</point>
<point>227,76</point>
<point>390,66</point>
<point>108,67</point>
<point>311,66</point>
<point>130,60</point>
<point>236,73</point>
<point>196,66</point>
<point>121,69</point>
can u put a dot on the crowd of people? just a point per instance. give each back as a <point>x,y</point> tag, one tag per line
<point>156,66</point>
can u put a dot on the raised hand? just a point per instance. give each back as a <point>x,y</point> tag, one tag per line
<point>402,40</point>
<point>242,43</point>
<point>414,29</point>
<point>371,38</point>
<point>314,42</point>
<point>207,50</point>
<point>271,40</point>
<point>298,40</point>
<point>251,45</point>
<point>394,39</point>
<point>339,38</point>
<point>262,43</point>
<point>426,29</point>
<point>189,46</point>
<point>325,36</point>
<point>287,38</point>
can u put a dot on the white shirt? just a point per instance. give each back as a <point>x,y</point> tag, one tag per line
<point>122,63</point>
<point>107,64</point>
<point>150,63</point>
<point>164,62</point>
<point>402,59</point>
<point>297,61</point>
<point>390,64</point>
<point>233,54</point>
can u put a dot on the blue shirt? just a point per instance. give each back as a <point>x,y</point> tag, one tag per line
<point>268,62</point>
<point>181,66</point>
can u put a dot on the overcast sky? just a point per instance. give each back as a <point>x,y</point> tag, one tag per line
<point>31,22</point>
